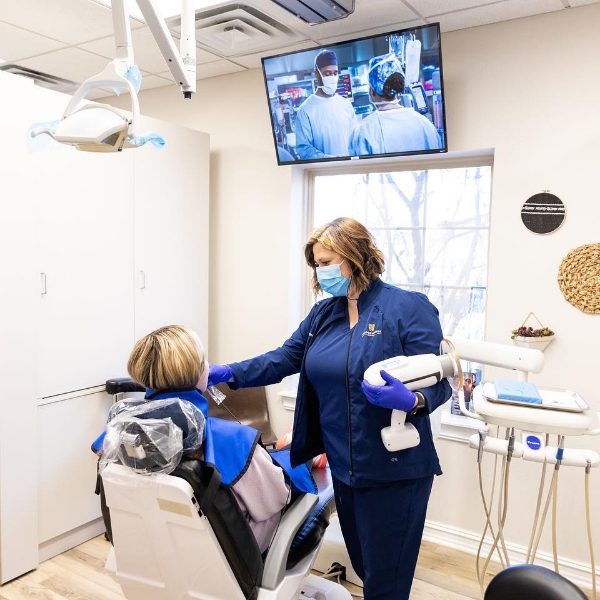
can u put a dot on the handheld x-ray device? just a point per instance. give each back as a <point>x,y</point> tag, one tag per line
<point>416,372</point>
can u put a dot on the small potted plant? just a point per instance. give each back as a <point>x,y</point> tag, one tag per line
<point>528,337</point>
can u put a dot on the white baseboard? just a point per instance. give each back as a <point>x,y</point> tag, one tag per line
<point>69,540</point>
<point>465,541</point>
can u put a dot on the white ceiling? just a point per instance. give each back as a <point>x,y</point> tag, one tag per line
<point>72,39</point>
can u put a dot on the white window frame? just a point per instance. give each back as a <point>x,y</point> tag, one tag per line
<point>454,427</point>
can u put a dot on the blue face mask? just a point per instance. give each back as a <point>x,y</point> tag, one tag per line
<point>332,281</point>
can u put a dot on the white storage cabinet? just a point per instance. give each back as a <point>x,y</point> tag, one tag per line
<point>100,249</point>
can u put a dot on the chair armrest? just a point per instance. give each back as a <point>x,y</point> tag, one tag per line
<point>313,529</point>
<point>291,521</point>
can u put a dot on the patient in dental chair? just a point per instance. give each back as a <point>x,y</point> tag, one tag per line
<point>170,362</point>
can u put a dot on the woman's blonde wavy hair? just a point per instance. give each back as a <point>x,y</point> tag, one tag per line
<point>354,242</point>
<point>170,357</point>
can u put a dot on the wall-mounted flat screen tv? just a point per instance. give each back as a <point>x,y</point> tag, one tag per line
<point>375,96</point>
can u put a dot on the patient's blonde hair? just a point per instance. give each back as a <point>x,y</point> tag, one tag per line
<point>170,357</point>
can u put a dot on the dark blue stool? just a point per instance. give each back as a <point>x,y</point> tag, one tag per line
<point>531,582</point>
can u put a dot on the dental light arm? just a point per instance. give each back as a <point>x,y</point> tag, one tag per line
<point>524,360</point>
<point>182,64</point>
<point>122,31</point>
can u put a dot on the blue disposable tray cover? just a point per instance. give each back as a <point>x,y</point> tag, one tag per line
<point>521,391</point>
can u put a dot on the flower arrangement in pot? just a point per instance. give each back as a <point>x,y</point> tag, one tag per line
<point>529,337</point>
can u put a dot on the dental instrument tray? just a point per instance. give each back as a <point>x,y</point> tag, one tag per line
<point>508,392</point>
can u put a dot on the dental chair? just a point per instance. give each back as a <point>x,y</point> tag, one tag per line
<point>182,535</point>
<point>531,582</point>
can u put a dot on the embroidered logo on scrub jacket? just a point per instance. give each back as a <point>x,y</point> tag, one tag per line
<point>371,331</point>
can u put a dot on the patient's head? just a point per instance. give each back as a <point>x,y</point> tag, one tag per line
<point>170,357</point>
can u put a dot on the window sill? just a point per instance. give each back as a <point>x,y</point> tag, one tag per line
<point>454,427</point>
<point>288,399</point>
<point>457,427</point>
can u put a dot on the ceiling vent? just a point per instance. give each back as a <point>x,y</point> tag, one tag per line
<point>237,30</point>
<point>318,11</point>
<point>42,79</point>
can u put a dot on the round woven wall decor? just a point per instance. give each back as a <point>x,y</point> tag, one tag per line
<point>579,278</point>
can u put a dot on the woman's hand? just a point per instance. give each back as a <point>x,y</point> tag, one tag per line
<point>219,374</point>
<point>393,395</point>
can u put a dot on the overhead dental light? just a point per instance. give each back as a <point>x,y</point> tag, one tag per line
<point>101,128</point>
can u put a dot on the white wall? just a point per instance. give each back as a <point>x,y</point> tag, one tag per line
<point>249,209</point>
<point>527,88</point>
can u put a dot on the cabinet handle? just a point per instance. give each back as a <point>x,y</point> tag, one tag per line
<point>43,288</point>
<point>142,280</point>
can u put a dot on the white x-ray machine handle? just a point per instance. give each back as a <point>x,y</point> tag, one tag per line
<point>416,372</point>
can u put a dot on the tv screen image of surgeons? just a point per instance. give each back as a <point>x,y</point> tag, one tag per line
<point>371,97</point>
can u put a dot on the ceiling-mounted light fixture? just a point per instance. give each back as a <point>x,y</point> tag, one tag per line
<point>318,11</point>
<point>101,128</point>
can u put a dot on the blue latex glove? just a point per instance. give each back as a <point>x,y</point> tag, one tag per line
<point>392,395</point>
<point>219,374</point>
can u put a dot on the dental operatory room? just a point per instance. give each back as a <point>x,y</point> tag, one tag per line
<point>201,197</point>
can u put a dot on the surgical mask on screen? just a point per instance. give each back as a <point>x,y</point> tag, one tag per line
<point>330,83</point>
<point>332,281</point>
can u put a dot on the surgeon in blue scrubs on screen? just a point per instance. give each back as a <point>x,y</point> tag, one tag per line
<point>392,128</point>
<point>325,119</point>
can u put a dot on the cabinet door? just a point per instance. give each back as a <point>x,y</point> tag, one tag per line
<point>18,324</point>
<point>171,231</point>
<point>66,464</point>
<point>86,261</point>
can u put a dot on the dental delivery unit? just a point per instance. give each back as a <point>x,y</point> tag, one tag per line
<point>529,414</point>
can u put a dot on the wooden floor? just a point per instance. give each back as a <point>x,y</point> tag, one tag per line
<point>78,574</point>
<point>442,574</point>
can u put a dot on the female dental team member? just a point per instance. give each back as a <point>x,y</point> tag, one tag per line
<point>391,128</point>
<point>325,119</point>
<point>381,496</point>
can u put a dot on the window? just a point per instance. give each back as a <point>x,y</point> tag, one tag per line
<point>432,224</point>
